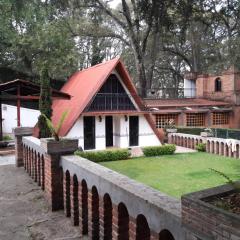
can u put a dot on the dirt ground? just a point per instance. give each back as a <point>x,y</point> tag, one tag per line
<point>24,213</point>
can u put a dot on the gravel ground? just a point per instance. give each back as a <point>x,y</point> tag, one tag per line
<point>24,213</point>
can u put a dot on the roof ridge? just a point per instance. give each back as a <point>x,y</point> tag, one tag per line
<point>98,65</point>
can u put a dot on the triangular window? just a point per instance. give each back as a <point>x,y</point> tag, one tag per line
<point>112,96</point>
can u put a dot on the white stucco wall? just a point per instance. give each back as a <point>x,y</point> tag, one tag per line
<point>146,135</point>
<point>77,131</point>
<point>120,132</point>
<point>100,133</point>
<point>29,117</point>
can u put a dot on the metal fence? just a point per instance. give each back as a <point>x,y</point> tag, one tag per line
<point>218,132</point>
<point>226,133</point>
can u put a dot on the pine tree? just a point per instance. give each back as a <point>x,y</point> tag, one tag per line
<point>45,104</point>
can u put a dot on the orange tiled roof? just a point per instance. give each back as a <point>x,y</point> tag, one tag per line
<point>182,102</point>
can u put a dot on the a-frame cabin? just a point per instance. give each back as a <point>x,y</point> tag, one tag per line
<point>105,110</point>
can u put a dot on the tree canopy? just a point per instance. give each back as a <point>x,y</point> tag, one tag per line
<point>157,40</point>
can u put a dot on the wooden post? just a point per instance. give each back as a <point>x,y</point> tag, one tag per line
<point>1,120</point>
<point>18,106</point>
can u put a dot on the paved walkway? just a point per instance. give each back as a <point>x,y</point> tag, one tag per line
<point>24,213</point>
<point>6,160</point>
<point>184,150</point>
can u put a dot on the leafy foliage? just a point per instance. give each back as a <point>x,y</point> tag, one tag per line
<point>158,40</point>
<point>45,105</point>
<point>105,155</point>
<point>168,149</point>
<point>55,129</point>
<point>201,147</point>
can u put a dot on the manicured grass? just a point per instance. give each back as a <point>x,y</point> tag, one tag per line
<point>180,173</point>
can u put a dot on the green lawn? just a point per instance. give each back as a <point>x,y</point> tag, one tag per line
<point>180,173</point>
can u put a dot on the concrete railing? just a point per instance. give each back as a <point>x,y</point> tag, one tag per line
<point>108,205</point>
<point>33,159</point>
<point>103,203</point>
<point>219,146</point>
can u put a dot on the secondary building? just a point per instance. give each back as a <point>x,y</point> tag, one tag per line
<point>205,101</point>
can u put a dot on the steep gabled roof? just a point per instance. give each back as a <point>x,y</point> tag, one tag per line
<point>83,86</point>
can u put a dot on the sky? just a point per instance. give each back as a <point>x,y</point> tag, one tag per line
<point>114,3</point>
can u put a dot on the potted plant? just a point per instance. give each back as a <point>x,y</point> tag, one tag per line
<point>56,144</point>
<point>170,126</point>
<point>207,132</point>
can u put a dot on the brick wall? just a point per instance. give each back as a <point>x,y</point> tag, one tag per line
<point>204,221</point>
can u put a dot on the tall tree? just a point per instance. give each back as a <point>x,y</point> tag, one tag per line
<point>45,105</point>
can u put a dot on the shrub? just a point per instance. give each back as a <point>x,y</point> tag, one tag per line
<point>201,147</point>
<point>105,155</point>
<point>190,130</point>
<point>159,150</point>
<point>7,138</point>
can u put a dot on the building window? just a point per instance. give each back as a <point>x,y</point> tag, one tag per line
<point>218,85</point>
<point>220,118</point>
<point>162,120</point>
<point>195,119</point>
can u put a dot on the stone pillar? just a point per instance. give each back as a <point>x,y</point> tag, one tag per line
<point>225,150</point>
<point>53,173</point>
<point>19,133</point>
<point>170,138</point>
<point>211,150</point>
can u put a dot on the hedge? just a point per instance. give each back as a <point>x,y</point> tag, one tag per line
<point>188,130</point>
<point>105,155</point>
<point>159,150</point>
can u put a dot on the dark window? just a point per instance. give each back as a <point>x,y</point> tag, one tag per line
<point>218,85</point>
<point>112,96</point>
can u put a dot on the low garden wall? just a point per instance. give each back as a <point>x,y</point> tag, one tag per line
<point>107,205</point>
<point>103,203</point>
<point>220,146</point>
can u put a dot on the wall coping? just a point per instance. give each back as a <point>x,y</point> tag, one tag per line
<point>64,146</point>
<point>160,209</point>
<point>33,143</point>
<point>23,131</point>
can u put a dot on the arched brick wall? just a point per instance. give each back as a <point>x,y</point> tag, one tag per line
<point>104,204</point>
